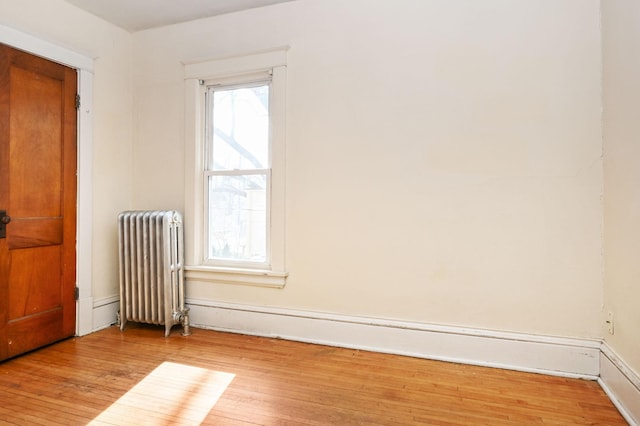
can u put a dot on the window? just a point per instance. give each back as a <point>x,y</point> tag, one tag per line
<point>237,178</point>
<point>234,170</point>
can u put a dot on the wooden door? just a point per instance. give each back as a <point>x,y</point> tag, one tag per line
<point>38,192</point>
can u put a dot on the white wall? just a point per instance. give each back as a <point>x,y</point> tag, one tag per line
<point>621,43</point>
<point>60,23</point>
<point>443,157</point>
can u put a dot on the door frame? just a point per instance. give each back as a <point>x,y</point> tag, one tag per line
<point>84,65</point>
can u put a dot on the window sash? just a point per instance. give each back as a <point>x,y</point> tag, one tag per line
<point>221,86</point>
<point>211,171</point>
<point>221,261</point>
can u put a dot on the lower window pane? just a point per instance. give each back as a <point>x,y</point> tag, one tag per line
<point>238,217</point>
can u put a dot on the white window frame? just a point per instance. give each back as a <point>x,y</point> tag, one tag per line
<point>229,70</point>
<point>252,80</point>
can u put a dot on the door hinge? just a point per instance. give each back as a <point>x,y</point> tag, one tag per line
<point>77,293</point>
<point>77,101</point>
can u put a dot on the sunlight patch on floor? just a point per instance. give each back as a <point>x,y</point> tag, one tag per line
<point>171,394</point>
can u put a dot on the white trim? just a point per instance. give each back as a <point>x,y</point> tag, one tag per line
<point>104,301</point>
<point>105,312</point>
<point>84,320</point>
<point>220,275</point>
<point>234,65</point>
<point>194,158</point>
<point>84,309</point>
<point>621,384</point>
<point>84,65</point>
<point>578,358</point>
<point>195,73</point>
<point>44,48</point>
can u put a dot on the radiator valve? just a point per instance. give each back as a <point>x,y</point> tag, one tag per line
<point>182,317</point>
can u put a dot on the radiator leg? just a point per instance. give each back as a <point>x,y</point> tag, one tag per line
<point>121,321</point>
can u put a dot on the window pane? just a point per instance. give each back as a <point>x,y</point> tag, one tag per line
<point>238,217</point>
<point>241,128</point>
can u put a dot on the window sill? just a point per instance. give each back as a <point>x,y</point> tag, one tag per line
<point>218,275</point>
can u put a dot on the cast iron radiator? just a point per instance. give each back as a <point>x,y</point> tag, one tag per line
<point>151,259</point>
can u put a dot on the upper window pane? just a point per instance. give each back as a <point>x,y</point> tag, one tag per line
<point>240,128</point>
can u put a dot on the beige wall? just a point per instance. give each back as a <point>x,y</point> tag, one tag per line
<point>60,23</point>
<point>443,158</point>
<point>621,45</point>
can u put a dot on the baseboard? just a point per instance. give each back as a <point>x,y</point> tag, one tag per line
<point>84,315</point>
<point>105,312</point>
<point>533,353</point>
<point>621,384</point>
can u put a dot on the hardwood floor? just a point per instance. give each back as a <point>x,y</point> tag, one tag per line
<point>139,377</point>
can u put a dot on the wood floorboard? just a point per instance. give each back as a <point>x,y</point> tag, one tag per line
<point>139,377</point>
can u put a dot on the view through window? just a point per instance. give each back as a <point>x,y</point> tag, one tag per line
<point>237,179</point>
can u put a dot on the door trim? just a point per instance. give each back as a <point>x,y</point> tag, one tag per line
<point>84,66</point>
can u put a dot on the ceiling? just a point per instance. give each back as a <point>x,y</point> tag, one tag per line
<point>136,15</point>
